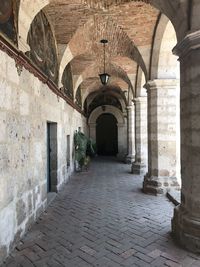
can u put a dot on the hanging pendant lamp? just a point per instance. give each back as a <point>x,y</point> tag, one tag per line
<point>104,77</point>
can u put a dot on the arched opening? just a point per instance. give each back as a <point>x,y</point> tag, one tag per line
<point>163,125</point>
<point>107,135</point>
<point>169,68</point>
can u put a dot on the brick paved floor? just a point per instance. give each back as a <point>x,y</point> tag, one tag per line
<point>102,218</point>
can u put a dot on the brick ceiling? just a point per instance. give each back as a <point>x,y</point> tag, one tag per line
<point>122,22</point>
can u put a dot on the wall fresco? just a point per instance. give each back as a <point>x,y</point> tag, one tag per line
<point>67,81</point>
<point>8,19</point>
<point>42,44</point>
<point>79,98</point>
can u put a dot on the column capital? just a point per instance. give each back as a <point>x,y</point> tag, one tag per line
<point>140,99</point>
<point>130,107</point>
<point>161,84</point>
<point>190,43</point>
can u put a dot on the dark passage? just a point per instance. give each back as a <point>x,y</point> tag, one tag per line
<point>107,135</point>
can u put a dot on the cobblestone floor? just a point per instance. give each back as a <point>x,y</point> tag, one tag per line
<point>102,218</point>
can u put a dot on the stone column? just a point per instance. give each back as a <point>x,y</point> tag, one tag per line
<point>139,166</point>
<point>161,176</point>
<point>130,134</point>
<point>186,221</point>
<point>122,149</point>
<point>92,131</point>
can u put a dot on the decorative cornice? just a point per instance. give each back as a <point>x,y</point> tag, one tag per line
<point>22,61</point>
<point>190,43</point>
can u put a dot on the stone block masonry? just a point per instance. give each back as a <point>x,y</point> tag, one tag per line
<point>26,105</point>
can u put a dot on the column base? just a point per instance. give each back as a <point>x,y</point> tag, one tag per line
<point>159,185</point>
<point>186,229</point>
<point>121,157</point>
<point>129,159</point>
<point>138,168</point>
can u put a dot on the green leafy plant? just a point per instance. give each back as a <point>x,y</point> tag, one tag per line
<point>84,149</point>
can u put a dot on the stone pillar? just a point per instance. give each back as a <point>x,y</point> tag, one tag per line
<point>186,220</point>
<point>121,141</point>
<point>130,134</point>
<point>92,131</point>
<point>161,174</point>
<point>139,166</point>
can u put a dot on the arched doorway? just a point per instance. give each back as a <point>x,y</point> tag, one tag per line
<point>107,135</point>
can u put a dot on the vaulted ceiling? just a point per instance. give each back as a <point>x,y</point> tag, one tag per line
<point>81,24</point>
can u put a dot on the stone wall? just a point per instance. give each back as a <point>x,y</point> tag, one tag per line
<point>26,105</point>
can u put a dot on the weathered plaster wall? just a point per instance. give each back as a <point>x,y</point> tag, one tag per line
<point>26,105</point>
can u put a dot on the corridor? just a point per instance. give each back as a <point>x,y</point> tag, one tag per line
<point>102,218</point>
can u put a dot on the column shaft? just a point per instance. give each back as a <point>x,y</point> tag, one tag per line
<point>130,134</point>
<point>186,221</point>
<point>140,164</point>
<point>162,152</point>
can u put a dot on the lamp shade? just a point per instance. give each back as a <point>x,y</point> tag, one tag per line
<point>104,77</point>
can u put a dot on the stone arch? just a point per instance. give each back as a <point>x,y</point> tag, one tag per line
<point>93,71</point>
<point>164,63</point>
<point>94,86</point>
<point>109,109</point>
<point>27,11</point>
<point>121,124</point>
<point>165,66</point>
<point>170,10</point>
<point>116,94</point>
<point>140,82</point>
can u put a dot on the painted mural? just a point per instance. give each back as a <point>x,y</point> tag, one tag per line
<point>67,81</point>
<point>79,98</point>
<point>8,19</point>
<point>42,44</point>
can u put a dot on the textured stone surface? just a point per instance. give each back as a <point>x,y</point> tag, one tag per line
<point>186,219</point>
<point>102,218</point>
<point>131,134</point>
<point>161,137</point>
<point>26,105</point>
<point>139,166</point>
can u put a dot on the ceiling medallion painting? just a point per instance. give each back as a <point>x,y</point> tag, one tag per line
<point>43,48</point>
<point>8,19</point>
